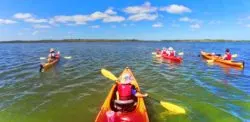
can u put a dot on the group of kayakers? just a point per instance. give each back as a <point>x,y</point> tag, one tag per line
<point>166,51</point>
<point>125,90</point>
<point>171,52</point>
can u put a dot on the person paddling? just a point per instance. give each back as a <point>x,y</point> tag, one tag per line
<point>171,51</point>
<point>52,55</point>
<point>228,55</point>
<point>126,91</point>
<point>158,51</point>
<point>164,51</point>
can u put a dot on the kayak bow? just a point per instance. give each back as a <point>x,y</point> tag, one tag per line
<point>138,114</point>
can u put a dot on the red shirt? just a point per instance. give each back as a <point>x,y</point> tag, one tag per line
<point>228,56</point>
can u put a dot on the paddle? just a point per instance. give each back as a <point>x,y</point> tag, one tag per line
<point>169,106</point>
<point>180,53</point>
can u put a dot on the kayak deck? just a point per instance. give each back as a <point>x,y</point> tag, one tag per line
<point>138,114</point>
<point>218,59</point>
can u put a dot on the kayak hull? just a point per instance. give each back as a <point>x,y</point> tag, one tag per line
<point>172,58</point>
<point>218,59</point>
<point>139,114</point>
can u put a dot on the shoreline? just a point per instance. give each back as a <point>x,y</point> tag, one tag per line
<point>118,40</point>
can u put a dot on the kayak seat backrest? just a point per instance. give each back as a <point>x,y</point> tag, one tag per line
<point>124,106</point>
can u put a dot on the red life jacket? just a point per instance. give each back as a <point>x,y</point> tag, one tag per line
<point>164,52</point>
<point>172,53</point>
<point>125,91</point>
<point>228,56</point>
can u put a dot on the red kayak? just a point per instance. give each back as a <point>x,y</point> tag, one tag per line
<point>172,58</point>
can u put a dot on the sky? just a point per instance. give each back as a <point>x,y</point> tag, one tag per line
<point>124,19</point>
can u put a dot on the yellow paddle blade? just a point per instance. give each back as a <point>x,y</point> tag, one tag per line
<point>173,108</point>
<point>108,75</point>
<point>210,61</point>
<point>234,55</point>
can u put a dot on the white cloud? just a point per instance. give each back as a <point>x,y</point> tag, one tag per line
<point>142,16</point>
<point>145,8</point>
<point>98,15</point>
<point>22,15</point>
<point>176,9</point>
<point>113,19</point>
<point>110,11</point>
<point>77,19</point>
<point>95,26</point>
<point>27,17</point>
<point>142,12</point>
<point>7,21</point>
<point>35,33</point>
<point>33,20</point>
<point>108,16</point>
<point>195,26</point>
<point>41,26</point>
<point>157,25</point>
<point>248,25</point>
<point>187,19</point>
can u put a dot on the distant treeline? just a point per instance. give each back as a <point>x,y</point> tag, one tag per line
<point>70,40</point>
<point>118,40</point>
<point>206,40</point>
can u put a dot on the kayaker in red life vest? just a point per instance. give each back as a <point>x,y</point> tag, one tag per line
<point>126,91</point>
<point>171,51</point>
<point>164,51</point>
<point>228,55</point>
<point>52,55</point>
<point>158,51</point>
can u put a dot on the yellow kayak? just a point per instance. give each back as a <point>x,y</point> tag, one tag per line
<point>218,59</point>
<point>137,114</point>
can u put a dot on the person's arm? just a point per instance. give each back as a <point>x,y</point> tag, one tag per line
<point>138,94</point>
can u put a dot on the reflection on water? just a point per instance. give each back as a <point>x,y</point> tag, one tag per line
<point>74,89</point>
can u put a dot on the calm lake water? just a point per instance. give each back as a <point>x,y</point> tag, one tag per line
<point>74,90</point>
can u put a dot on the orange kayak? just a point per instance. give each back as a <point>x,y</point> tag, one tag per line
<point>218,59</point>
<point>137,114</point>
<point>46,66</point>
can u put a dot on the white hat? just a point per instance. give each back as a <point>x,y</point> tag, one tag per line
<point>170,48</point>
<point>51,50</point>
<point>126,79</point>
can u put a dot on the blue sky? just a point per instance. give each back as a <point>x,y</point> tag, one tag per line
<point>124,19</point>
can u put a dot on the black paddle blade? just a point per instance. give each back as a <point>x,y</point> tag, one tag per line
<point>41,68</point>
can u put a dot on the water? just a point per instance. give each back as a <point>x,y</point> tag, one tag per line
<point>74,90</point>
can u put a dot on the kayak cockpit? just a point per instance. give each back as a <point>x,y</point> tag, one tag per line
<point>121,105</point>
